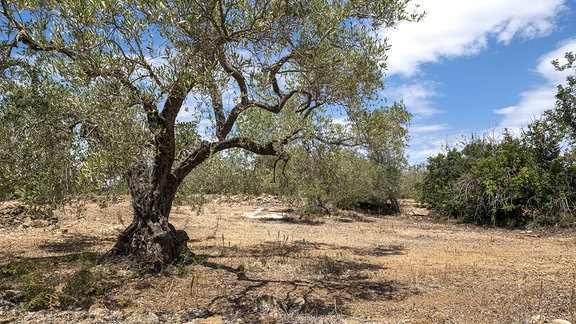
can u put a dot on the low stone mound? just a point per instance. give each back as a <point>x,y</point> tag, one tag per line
<point>262,200</point>
<point>16,213</point>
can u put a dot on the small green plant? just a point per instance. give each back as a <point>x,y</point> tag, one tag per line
<point>41,286</point>
<point>183,263</point>
<point>15,268</point>
<point>90,259</point>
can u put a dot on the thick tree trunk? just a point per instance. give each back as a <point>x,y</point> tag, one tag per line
<point>151,240</point>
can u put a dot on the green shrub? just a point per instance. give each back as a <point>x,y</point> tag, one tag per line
<point>511,182</point>
<point>40,286</point>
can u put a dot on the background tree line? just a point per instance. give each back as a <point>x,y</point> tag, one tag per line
<point>47,168</point>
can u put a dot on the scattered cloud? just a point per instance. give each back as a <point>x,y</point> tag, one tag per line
<point>535,101</point>
<point>531,106</point>
<point>417,97</point>
<point>454,28</point>
<point>547,70</point>
<point>429,140</point>
<point>424,129</point>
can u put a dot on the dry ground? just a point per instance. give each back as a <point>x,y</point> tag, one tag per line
<point>345,268</point>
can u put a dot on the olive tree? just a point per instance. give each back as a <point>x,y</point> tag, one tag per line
<point>249,74</point>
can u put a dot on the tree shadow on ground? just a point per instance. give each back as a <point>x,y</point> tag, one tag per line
<point>378,251</point>
<point>292,219</point>
<point>285,248</point>
<point>319,295</point>
<point>324,284</point>
<point>354,217</point>
<point>334,268</point>
<point>73,243</point>
<point>343,217</point>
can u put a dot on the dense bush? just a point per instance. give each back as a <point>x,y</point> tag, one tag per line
<point>510,182</point>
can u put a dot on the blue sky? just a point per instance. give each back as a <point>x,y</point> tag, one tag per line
<point>475,67</point>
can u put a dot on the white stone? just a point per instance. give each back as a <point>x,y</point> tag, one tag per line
<point>559,321</point>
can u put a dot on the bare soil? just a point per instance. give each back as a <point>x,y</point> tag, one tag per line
<point>253,266</point>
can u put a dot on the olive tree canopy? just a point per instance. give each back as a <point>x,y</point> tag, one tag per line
<point>250,74</point>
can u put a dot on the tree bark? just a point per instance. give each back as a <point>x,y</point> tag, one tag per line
<point>150,240</point>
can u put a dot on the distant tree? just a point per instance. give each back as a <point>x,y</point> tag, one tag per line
<point>565,112</point>
<point>343,168</point>
<point>411,180</point>
<point>384,132</point>
<point>253,74</point>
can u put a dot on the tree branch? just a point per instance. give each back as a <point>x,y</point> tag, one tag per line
<point>206,149</point>
<point>218,107</point>
<point>273,71</point>
<point>236,74</point>
<point>33,44</point>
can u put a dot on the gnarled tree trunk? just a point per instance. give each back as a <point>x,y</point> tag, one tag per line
<point>151,239</point>
<point>153,242</point>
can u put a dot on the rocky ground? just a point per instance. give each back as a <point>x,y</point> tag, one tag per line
<point>257,261</point>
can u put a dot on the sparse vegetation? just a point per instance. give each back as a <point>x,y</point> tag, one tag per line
<point>345,268</point>
<point>41,284</point>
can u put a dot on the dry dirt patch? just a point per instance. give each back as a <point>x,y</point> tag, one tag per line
<point>345,268</point>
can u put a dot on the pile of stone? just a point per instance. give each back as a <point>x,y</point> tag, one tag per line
<point>246,200</point>
<point>17,214</point>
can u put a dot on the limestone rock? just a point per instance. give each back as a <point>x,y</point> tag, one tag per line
<point>208,320</point>
<point>559,321</point>
<point>143,318</point>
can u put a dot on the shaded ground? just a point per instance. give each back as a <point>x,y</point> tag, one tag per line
<point>346,268</point>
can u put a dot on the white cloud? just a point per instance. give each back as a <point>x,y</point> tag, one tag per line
<point>531,106</point>
<point>417,98</point>
<point>424,129</point>
<point>455,28</point>
<point>547,70</point>
<point>429,140</point>
<point>535,101</point>
<point>420,155</point>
